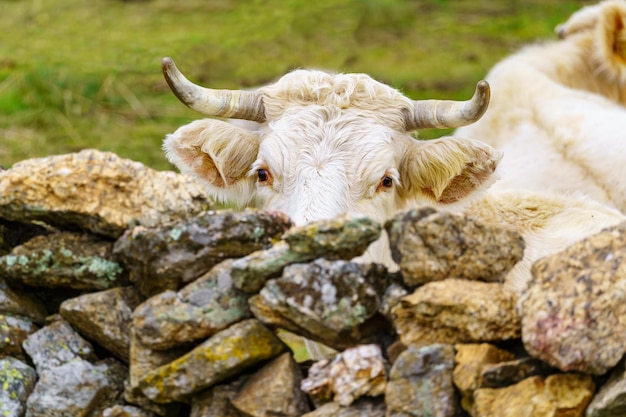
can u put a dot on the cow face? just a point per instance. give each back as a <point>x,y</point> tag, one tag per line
<point>319,156</point>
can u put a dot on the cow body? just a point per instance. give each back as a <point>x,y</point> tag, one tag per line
<point>322,145</point>
<point>558,110</point>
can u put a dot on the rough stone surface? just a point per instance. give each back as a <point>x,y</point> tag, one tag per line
<point>340,238</point>
<point>55,345</point>
<point>199,310</point>
<point>330,299</point>
<point>13,234</point>
<point>429,246</point>
<point>126,411</point>
<point>166,257</point>
<point>557,395</point>
<point>507,373</point>
<point>610,400</point>
<point>574,312</point>
<point>19,303</point>
<point>360,408</point>
<point>456,311</point>
<point>64,259</point>
<point>224,355</point>
<point>355,372</point>
<point>77,389</point>
<point>274,390</point>
<point>420,383</point>
<point>17,380</point>
<point>470,360</point>
<point>216,401</point>
<point>104,317</point>
<point>96,191</point>
<point>13,331</point>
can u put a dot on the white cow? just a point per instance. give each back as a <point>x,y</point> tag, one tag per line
<point>558,110</point>
<point>327,144</point>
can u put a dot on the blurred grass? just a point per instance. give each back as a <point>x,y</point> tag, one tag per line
<point>77,74</point>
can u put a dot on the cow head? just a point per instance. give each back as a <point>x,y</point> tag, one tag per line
<point>323,144</point>
<point>605,25</point>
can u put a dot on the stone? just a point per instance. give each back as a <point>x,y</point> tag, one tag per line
<point>330,299</point>
<point>77,389</point>
<point>610,400</point>
<point>17,380</point>
<point>104,317</point>
<point>209,304</point>
<point>363,407</point>
<point>13,234</point>
<point>98,192</point>
<point>69,260</point>
<point>19,303</point>
<point>13,331</point>
<point>222,356</point>
<point>170,256</point>
<point>126,411</point>
<point>507,373</point>
<point>353,373</point>
<point>55,345</point>
<point>557,395</point>
<point>420,383</point>
<point>274,390</point>
<point>470,361</point>
<point>216,400</point>
<point>429,245</point>
<point>456,311</point>
<point>574,312</point>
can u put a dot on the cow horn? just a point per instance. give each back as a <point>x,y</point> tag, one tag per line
<point>232,104</point>
<point>447,113</point>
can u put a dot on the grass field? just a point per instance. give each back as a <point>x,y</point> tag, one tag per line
<point>78,74</point>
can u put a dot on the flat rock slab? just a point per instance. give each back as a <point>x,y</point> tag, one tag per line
<point>17,380</point>
<point>104,317</point>
<point>431,246</point>
<point>13,331</point>
<point>456,311</point>
<point>556,395</point>
<point>224,355</point>
<point>199,310</point>
<point>20,303</point>
<point>97,191</point>
<point>67,260</point>
<point>167,257</point>
<point>574,312</point>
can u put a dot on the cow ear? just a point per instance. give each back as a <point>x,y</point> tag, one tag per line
<point>446,170</point>
<point>612,34</point>
<point>218,153</point>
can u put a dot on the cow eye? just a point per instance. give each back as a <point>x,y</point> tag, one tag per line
<point>386,182</point>
<point>263,175</point>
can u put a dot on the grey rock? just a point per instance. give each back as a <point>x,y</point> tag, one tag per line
<point>222,356</point>
<point>456,311</point>
<point>274,390</point>
<point>56,345</point>
<point>126,411</point>
<point>167,257</point>
<point>13,331</point>
<point>19,303</point>
<point>363,407</point>
<point>574,312</point>
<point>17,380</point>
<point>68,260</point>
<point>329,299</point>
<point>430,246</point>
<point>199,310</point>
<point>353,373</point>
<point>104,317</point>
<point>77,389</point>
<point>216,401</point>
<point>610,400</point>
<point>420,383</point>
<point>97,191</point>
<point>340,238</point>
